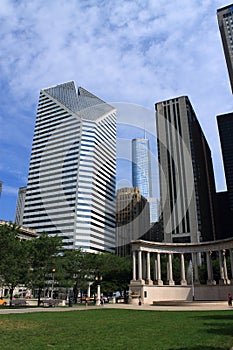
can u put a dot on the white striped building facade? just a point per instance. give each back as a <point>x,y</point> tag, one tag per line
<point>71,182</point>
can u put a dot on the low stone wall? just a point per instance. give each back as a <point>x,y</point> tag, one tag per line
<point>34,302</point>
<point>152,293</point>
<point>212,292</point>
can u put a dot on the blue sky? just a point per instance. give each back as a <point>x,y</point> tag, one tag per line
<point>126,52</point>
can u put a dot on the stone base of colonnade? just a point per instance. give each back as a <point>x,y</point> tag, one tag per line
<point>151,293</point>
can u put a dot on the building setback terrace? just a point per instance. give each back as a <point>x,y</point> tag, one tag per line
<point>147,289</point>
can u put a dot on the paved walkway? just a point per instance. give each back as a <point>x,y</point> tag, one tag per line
<point>196,306</point>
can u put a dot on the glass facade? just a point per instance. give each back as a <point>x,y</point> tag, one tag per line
<point>141,167</point>
<point>71,181</point>
<point>141,174</point>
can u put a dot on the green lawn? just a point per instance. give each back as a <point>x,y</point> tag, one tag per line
<point>117,329</point>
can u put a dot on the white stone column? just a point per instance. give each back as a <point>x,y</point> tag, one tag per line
<point>222,277</point>
<point>134,266</point>
<point>170,281</point>
<point>183,281</point>
<point>89,289</point>
<point>148,279</point>
<point>159,282</point>
<point>98,295</point>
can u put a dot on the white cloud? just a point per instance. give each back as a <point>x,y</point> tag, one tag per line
<point>126,51</point>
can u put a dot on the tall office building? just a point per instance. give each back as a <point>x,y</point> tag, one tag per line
<point>225,127</point>
<point>225,22</point>
<point>141,173</point>
<point>71,182</point>
<point>132,218</point>
<point>187,185</point>
<point>154,209</point>
<point>20,205</point>
<point>141,167</point>
<point>224,216</point>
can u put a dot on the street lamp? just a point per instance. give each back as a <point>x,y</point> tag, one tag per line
<point>98,279</point>
<point>53,272</point>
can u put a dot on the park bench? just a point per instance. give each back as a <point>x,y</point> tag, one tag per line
<point>19,302</point>
<point>50,302</point>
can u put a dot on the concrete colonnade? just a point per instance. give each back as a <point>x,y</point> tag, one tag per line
<point>143,252</point>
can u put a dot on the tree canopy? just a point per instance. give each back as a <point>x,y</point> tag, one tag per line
<point>14,262</point>
<point>42,263</point>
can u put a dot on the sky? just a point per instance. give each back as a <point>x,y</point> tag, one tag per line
<point>131,54</point>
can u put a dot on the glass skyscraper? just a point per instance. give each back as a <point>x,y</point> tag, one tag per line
<point>71,181</point>
<point>141,174</point>
<point>141,166</point>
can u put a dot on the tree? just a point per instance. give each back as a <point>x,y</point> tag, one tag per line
<point>81,268</point>
<point>45,254</point>
<point>115,271</point>
<point>74,270</point>
<point>14,257</point>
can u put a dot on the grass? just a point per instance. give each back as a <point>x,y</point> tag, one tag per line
<point>117,329</point>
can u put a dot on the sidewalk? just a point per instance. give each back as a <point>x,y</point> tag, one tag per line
<point>195,306</point>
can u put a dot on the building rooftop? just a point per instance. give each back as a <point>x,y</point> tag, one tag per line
<point>25,232</point>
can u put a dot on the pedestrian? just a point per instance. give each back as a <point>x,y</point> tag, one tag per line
<point>229,299</point>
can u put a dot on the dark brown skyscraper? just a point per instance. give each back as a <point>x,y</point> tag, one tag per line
<point>225,127</point>
<point>225,22</point>
<point>187,187</point>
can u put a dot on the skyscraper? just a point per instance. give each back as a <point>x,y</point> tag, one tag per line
<point>225,22</point>
<point>187,185</point>
<point>71,181</point>
<point>132,218</point>
<point>225,127</point>
<point>141,167</point>
<point>224,216</point>
<point>20,205</point>
<point>141,173</point>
